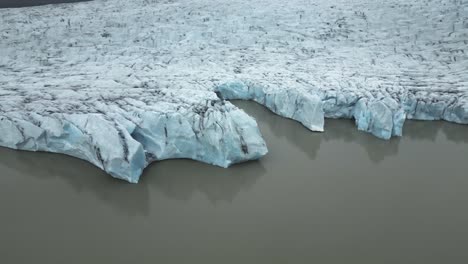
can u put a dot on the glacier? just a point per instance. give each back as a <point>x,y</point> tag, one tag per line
<point>123,84</point>
<point>121,133</point>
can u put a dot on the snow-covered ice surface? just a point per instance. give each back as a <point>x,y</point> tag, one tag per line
<point>123,83</point>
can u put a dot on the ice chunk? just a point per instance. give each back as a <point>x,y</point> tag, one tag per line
<point>122,134</point>
<point>209,135</point>
<point>291,103</point>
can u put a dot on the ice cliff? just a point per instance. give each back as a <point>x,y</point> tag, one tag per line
<point>121,130</point>
<point>122,84</point>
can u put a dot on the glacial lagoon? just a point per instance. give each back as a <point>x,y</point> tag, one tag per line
<point>342,196</point>
<point>332,197</point>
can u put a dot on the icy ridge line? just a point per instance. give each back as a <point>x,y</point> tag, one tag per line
<point>380,112</point>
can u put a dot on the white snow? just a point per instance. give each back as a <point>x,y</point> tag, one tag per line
<point>123,83</point>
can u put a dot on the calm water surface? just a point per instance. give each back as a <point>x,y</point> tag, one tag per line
<point>341,196</point>
<point>338,197</point>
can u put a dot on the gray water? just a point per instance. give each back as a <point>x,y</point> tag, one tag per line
<point>342,196</point>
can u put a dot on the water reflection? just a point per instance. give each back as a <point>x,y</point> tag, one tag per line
<point>176,179</point>
<point>309,142</point>
<point>345,130</point>
<point>280,127</point>
<point>82,176</point>
<point>454,132</point>
<point>377,149</point>
<point>181,179</point>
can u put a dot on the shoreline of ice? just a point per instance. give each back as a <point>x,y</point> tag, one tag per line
<point>123,143</point>
<point>124,84</point>
<point>383,116</point>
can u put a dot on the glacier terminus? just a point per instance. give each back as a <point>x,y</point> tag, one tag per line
<point>124,83</point>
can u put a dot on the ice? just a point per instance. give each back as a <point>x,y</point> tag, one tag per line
<point>126,83</point>
<point>122,133</point>
<point>291,103</point>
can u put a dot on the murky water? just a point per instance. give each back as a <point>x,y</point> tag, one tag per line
<point>341,196</point>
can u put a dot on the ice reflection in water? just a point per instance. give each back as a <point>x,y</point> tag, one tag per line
<point>338,192</point>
